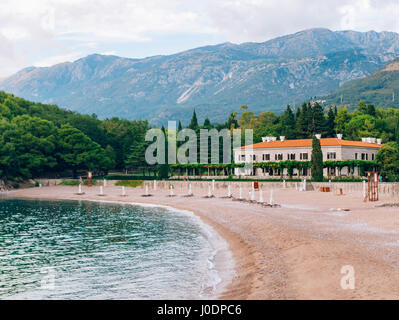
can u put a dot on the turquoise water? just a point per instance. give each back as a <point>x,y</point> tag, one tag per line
<point>89,250</point>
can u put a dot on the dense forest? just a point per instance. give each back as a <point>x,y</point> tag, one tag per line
<point>44,140</point>
<point>39,140</point>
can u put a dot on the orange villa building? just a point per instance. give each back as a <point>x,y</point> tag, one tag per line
<point>334,149</point>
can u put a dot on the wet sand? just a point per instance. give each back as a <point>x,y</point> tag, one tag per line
<point>293,252</point>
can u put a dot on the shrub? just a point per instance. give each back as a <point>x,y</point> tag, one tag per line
<point>129,183</point>
<point>129,177</point>
<point>76,182</point>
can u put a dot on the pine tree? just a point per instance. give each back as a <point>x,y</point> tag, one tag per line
<point>302,122</point>
<point>288,123</point>
<point>317,161</point>
<point>136,158</point>
<point>207,124</point>
<point>330,123</point>
<point>318,124</point>
<point>194,122</point>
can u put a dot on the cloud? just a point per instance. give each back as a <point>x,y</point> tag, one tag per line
<point>258,20</point>
<point>44,31</point>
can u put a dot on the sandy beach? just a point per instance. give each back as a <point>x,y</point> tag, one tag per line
<point>293,252</point>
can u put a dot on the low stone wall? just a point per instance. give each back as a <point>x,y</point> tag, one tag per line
<point>49,182</point>
<point>56,182</point>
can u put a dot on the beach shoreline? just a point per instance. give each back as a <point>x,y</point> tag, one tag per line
<point>293,252</point>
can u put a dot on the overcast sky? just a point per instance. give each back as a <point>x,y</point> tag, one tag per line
<point>45,32</point>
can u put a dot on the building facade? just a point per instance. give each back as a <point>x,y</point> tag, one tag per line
<point>334,149</point>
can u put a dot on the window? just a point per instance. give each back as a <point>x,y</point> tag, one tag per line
<point>266,157</point>
<point>278,157</point>
<point>356,156</point>
<point>304,156</point>
<point>367,156</point>
<point>291,156</point>
<point>331,155</point>
<point>363,156</point>
<point>254,157</point>
<point>243,157</point>
<point>373,157</point>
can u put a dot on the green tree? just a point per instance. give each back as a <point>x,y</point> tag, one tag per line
<point>318,123</point>
<point>361,126</point>
<point>303,121</point>
<point>194,122</point>
<point>163,169</point>
<point>207,124</point>
<point>388,158</point>
<point>77,151</point>
<point>9,164</point>
<point>341,120</point>
<point>34,142</point>
<point>362,107</point>
<point>317,161</point>
<point>397,131</point>
<point>136,158</point>
<point>288,123</point>
<point>330,123</point>
<point>232,122</point>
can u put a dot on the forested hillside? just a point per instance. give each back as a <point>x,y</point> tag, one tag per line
<point>378,88</point>
<point>38,139</point>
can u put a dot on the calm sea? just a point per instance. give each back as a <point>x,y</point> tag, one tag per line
<point>91,250</point>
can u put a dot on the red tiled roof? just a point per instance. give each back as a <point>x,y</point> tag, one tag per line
<point>308,143</point>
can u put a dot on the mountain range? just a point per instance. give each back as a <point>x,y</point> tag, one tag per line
<point>215,80</point>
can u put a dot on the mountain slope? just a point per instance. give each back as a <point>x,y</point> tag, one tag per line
<point>378,88</point>
<point>214,79</point>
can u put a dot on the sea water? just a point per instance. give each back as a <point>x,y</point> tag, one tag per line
<point>91,250</point>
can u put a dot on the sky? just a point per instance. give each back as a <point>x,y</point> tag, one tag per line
<point>46,32</point>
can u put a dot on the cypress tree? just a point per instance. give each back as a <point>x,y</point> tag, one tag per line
<point>194,122</point>
<point>180,127</point>
<point>317,161</point>
<point>163,169</point>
